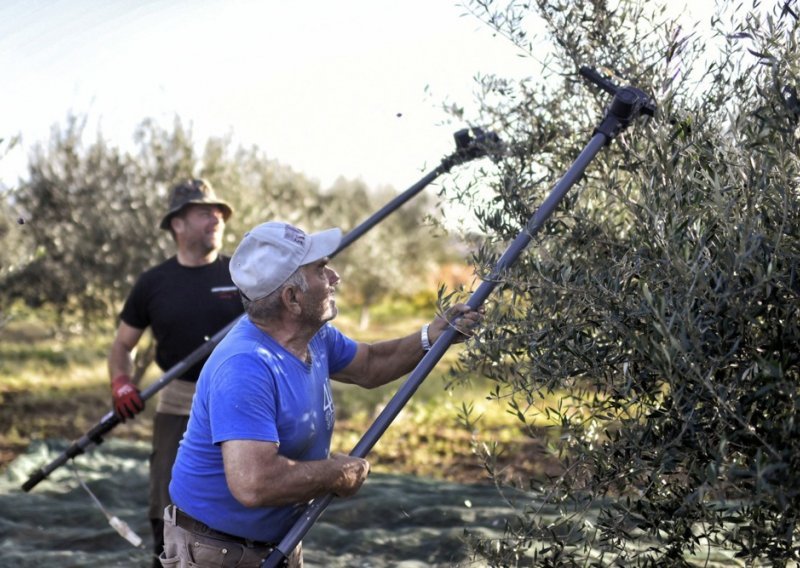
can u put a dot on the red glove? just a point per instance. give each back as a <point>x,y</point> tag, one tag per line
<point>127,400</point>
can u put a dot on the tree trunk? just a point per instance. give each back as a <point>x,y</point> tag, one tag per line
<point>363,322</point>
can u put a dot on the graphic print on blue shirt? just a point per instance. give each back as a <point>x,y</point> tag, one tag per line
<point>330,410</point>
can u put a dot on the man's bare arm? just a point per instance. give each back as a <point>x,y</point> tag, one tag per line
<point>379,363</point>
<point>258,476</point>
<point>120,358</point>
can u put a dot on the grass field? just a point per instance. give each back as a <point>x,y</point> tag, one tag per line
<point>56,386</point>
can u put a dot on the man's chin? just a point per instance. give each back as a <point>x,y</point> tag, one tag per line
<point>213,244</point>
<point>333,312</point>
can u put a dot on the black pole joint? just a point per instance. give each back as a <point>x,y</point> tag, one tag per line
<point>471,144</point>
<point>628,104</point>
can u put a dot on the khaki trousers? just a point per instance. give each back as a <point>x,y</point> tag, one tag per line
<point>187,549</point>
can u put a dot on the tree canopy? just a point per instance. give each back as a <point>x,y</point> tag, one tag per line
<point>661,302</point>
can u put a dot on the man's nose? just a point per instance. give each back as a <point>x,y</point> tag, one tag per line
<point>333,276</point>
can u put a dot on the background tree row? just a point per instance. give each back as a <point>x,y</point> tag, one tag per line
<point>83,223</point>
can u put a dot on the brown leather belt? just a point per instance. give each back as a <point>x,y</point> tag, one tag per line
<point>191,524</point>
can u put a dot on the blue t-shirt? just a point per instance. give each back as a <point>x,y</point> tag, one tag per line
<point>251,388</point>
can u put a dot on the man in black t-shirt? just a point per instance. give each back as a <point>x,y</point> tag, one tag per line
<point>185,300</point>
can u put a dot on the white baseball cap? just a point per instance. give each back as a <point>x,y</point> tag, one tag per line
<point>270,253</point>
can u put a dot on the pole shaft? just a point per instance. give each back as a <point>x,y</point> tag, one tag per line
<point>387,209</point>
<point>429,361</point>
<point>110,421</point>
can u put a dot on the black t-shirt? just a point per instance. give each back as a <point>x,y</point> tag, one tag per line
<point>184,306</point>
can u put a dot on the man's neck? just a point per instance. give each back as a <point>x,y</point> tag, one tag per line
<point>291,336</point>
<point>192,258</point>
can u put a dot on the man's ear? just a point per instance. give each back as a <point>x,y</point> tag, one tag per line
<point>290,299</point>
<point>176,223</point>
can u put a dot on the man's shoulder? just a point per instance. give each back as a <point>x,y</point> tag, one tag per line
<point>171,265</point>
<point>243,345</point>
<point>159,270</point>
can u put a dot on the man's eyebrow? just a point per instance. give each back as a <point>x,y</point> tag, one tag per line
<point>318,263</point>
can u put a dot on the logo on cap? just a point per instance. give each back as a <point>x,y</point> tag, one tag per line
<point>294,234</point>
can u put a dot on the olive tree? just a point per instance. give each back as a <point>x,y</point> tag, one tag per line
<point>15,250</point>
<point>91,215</point>
<point>74,205</point>
<point>661,303</point>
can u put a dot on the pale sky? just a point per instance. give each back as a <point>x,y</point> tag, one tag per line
<point>347,87</point>
<point>328,87</point>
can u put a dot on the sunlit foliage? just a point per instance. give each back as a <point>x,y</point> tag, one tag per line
<point>664,295</point>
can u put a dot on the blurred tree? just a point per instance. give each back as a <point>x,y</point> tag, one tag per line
<point>92,214</point>
<point>663,297</point>
<point>259,189</point>
<point>69,204</point>
<point>16,250</point>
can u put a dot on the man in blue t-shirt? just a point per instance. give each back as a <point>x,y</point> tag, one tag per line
<point>256,449</point>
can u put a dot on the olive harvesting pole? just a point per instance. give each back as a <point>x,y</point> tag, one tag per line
<point>628,104</point>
